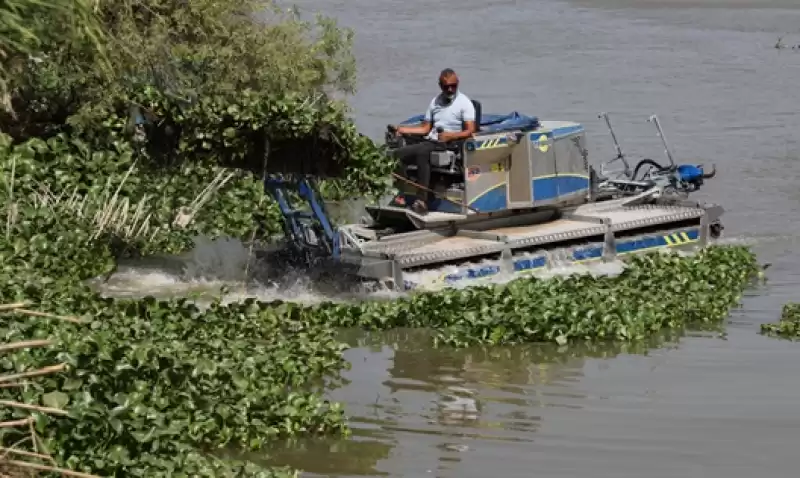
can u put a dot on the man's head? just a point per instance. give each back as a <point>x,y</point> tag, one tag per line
<point>448,82</point>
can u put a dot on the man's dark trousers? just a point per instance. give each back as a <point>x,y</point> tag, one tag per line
<point>420,154</point>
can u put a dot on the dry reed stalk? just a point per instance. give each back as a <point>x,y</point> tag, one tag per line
<point>14,384</point>
<point>16,451</point>
<point>33,408</point>
<point>183,219</point>
<point>109,207</point>
<point>11,212</point>
<point>39,467</point>
<point>33,373</point>
<point>16,305</point>
<point>260,200</point>
<point>36,313</point>
<point>110,212</point>
<point>19,442</point>
<point>25,344</point>
<point>17,467</point>
<point>16,423</point>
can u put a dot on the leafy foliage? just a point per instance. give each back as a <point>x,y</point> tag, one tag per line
<point>153,387</point>
<point>69,178</point>
<point>25,25</point>
<point>655,291</point>
<point>788,327</point>
<point>209,82</point>
<point>193,90</point>
<point>152,378</point>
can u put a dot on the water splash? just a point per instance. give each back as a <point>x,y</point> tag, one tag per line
<point>224,269</point>
<point>560,266</point>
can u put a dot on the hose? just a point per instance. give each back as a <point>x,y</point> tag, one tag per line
<point>644,162</point>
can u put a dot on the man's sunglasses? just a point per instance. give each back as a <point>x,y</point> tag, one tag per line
<point>448,86</point>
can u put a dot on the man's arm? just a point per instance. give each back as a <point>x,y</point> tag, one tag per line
<point>423,128</point>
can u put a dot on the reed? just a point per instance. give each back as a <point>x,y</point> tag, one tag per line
<point>34,459</point>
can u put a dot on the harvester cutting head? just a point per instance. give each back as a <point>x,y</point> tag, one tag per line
<point>674,179</point>
<point>505,199</point>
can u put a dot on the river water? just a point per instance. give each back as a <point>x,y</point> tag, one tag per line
<point>705,405</point>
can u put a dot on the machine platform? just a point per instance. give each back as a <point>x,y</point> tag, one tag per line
<point>600,231</point>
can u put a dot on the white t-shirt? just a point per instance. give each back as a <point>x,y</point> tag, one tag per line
<point>450,117</point>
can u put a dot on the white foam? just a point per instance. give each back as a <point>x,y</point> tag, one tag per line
<point>215,269</point>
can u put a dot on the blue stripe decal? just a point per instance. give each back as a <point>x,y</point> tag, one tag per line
<point>567,131</point>
<point>492,200</point>
<point>561,185</point>
<point>586,253</point>
<point>530,263</point>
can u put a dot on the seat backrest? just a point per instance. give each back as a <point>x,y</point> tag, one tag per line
<point>477,105</point>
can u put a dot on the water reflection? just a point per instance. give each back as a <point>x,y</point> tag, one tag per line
<point>357,456</point>
<point>442,403</point>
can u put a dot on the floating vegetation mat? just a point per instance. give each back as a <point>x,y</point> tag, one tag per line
<point>789,325</point>
<point>149,387</point>
<point>653,292</point>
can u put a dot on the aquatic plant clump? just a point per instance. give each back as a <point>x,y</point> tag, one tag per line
<point>654,292</point>
<point>788,327</point>
<point>147,383</point>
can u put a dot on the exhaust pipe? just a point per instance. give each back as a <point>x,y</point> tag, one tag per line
<point>710,174</point>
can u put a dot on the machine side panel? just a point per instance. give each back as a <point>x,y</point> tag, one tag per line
<point>520,193</point>
<point>573,176</point>
<point>486,166</point>
<point>544,187</point>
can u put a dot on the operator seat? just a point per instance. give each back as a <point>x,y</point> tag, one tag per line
<point>477,105</point>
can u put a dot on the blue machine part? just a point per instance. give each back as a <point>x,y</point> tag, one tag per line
<point>689,173</point>
<point>298,222</point>
<point>493,123</point>
<point>588,253</point>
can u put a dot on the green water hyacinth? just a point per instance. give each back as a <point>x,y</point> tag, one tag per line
<point>156,387</point>
<point>788,327</point>
<point>655,291</point>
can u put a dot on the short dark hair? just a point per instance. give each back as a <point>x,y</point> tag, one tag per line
<point>447,72</point>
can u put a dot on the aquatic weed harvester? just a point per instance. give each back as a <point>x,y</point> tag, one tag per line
<point>506,198</point>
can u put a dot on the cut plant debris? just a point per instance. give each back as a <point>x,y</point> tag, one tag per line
<point>788,327</point>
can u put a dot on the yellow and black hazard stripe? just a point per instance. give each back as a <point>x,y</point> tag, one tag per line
<point>678,239</point>
<point>490,143</point>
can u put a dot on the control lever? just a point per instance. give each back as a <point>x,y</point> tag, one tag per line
<point>654,119</point>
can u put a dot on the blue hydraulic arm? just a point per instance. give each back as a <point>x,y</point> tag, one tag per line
<point>298,223</point>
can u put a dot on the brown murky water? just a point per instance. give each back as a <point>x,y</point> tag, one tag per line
<point>706,405</point>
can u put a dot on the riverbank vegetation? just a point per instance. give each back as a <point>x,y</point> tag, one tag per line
<point>120,121</point>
